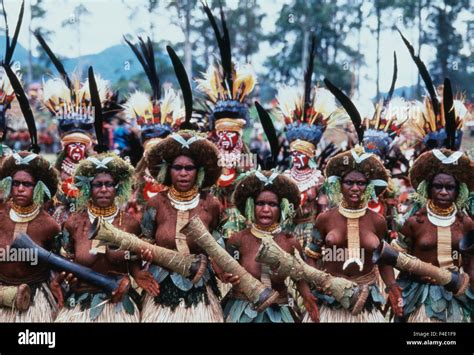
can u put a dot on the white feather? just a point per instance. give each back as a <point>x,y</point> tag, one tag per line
<point>398,110</point>
<point>103,87</point>
<point>138,105</point>
<point>56,90</point>
<point>365,107</point>
<point>324,102</point>
<point>461,110</point>
<point>289,98</point>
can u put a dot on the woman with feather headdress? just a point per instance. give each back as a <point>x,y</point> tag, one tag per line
<point>378,127</point>
<point>227,86</point>
<point>69,101</point>
<point>104,183</point>
<point>157,116</point>
<point>27,181</point>
<point>433,232</point>
<point>268,199</point>
<point>187,163</point>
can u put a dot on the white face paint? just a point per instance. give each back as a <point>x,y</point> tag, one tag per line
<point>300,160</point>
<point>227,140</point>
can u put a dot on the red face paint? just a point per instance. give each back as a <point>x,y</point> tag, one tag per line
<point>300,160</point>
<point>76,151</point>
<point>227,140</point>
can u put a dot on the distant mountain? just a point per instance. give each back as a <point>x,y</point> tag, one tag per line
<point>407,92</point>
<point>118,63</point>
<point>113,63</point>
<point>21,54</point>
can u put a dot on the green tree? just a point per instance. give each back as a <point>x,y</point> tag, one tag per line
<point>151,7</point>
<point>245,25</point>
<point>444,36</point>
<point>38,14</point>
<point>330,22</point>
<point>184,10</point>
<point>378,9</point>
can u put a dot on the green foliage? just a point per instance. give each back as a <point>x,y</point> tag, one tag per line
<point>330,22</point>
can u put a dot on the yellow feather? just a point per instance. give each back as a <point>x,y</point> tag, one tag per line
<point>290,100</point>
<point>103,87</point>
<point>324,102</point>
<point>244,82</point>
<point>139,105</point>
<point>56,95</point>
<point>209,83</point>
<point>171,107</point>
<point>5,85</point>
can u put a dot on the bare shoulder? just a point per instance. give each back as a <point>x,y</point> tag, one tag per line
<point>326,215</point>
<point>378,220</point>
<point>236,238</point>
<point>157,200</point>
<point>48,224</point>
<point>211,201</point>
<point>73,220</point>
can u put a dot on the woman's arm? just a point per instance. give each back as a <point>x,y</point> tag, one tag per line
<point>309,300</point>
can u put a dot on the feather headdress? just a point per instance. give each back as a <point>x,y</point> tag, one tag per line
<point>376,125</point>
<point>307,111</point>
<point>226,84</point>
<point>156,115</point>
<point>7,92</point>
<point>438,121</point>
<point>70,101</point>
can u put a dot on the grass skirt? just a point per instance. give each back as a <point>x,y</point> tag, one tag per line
<point>109,314</point>
<point>40,310</point>
<point>341,315</point>
<point>198,313</point>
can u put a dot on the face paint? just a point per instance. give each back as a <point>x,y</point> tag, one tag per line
<point>76,151</point>
<point>300,160</point>
<point>227,140</point>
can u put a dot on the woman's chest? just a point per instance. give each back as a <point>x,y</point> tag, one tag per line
<point>344,231</point>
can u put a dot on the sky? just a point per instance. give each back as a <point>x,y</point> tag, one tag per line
<point>108,22</point>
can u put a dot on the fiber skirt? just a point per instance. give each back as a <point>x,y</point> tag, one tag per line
<point>201,312</point>
<point>40,310</point>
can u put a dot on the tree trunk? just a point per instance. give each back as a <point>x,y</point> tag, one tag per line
<point>444,36</point>
<point>359,37</point>
<point>30,55</point>
<point>188,59</point>
<point>304,55</point>
<point>420,38</point>
<point>378,12</point>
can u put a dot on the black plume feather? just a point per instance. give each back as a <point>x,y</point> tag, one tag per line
<point>394,78</point>
<point>101,146</point>
<point>424,75</point>
<point>147,59</point>
<point>269,130</point>
<point>449,114</point>
<point>25,107</point>
<point>308,75</point>
<point>349,107</point>
<point>57,63</point>
<point>184,84</point>
<point>10,47</point>
<point>329,151</point>
<point>223,42</point>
